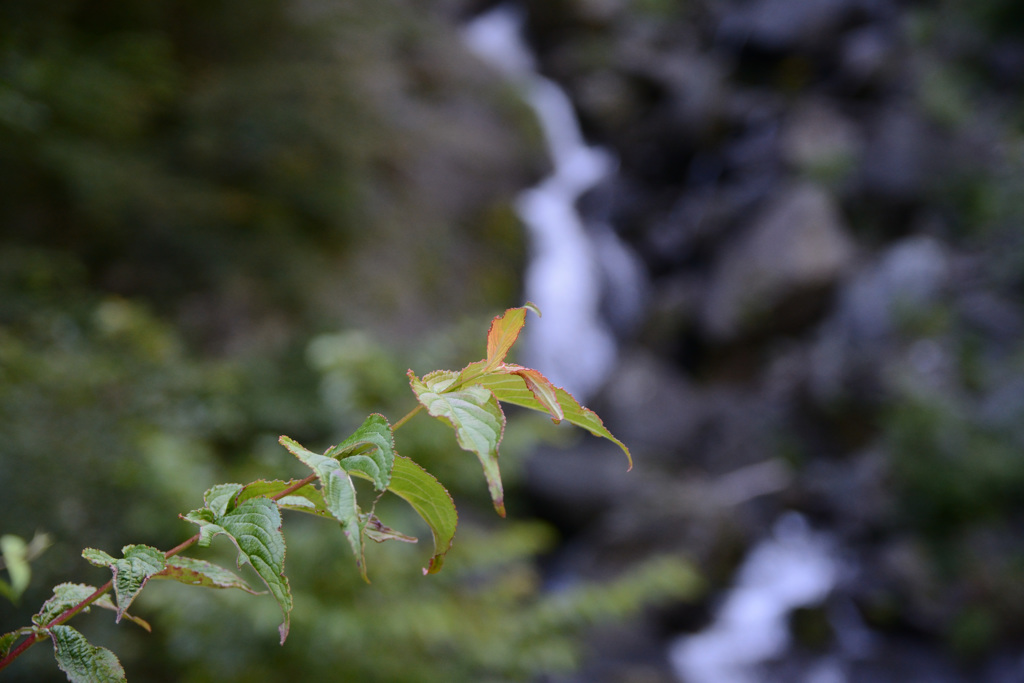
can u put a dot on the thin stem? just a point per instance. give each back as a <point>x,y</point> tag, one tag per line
<point>294,487</point>
<point>181,547</point>
<point>408,416</point>
<point>16,652</point>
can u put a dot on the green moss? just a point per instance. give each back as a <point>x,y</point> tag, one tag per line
<point>948,470</point>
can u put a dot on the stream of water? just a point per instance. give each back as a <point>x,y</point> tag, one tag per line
<point>574,263</point>
<point>793,568</point>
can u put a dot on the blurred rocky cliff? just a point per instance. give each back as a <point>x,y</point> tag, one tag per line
<point>825,194</point>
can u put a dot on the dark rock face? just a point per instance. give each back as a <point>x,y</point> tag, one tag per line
<point>784,25</point>
<point>821,194</point>
<point>798,245</point>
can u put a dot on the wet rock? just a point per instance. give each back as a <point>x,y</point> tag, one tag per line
<point>693,86</point>
<point>1006,61</point>
<point>740,428</point>
<point>851,492</point>
<point>899,156</point>
<point>992,316</point>
<point>654,407</point>
<point>692,516</point>
<point>869,56</point>
<point>786,24</point>
<point>853,343</point>
<point>599,11</point>
<point>624,281</point>
<point>697,91</point>
<point>610,99</point>
<point>798,246</point>
<point>756,143</point>
<point>575,488</point>
<point>819,140</point>
<point>910,275</point>
<point>689,230</point>
<point>672,314</point>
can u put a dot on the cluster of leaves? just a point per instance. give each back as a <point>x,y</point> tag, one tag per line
<point>469,401</point>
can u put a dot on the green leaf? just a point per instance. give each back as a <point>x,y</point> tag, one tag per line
<point>98,558</point>
<point>220,498</point>
<point>262,488</point>
<point>431,501</point>
<point>502,334</point>
<point>306,503</point>
<point>131,573</point>
<point>474,414</point>
<point>205,518</point>
<point>81,661</point>
<point>542,389</point>
<point>306,499</point>
<point>371,450</point>
<point>7,641</point>
<point>193,572</point>
<point>65,596</point>
<point>378,532</point>
<point>14,551</point>
<point>524,386</point>
<point>339,494</point>
<point>254,526</point>
<point>511,388</point>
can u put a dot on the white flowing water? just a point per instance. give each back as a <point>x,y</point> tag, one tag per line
<point>572,264</point>
<point>793,568</point>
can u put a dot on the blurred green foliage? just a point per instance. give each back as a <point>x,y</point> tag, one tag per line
<point>953,470</point>
<point>954,437</point>
<point>197,197</point>
<point>110,427</point>
<point>241,164</point>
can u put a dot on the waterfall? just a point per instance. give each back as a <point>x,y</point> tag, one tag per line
<point>573,264</point>
<point>793,568</point>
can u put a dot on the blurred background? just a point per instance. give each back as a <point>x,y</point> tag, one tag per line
<point>777,244</point>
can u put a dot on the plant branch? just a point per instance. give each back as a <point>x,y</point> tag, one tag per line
<point>16,652</point>
<point>181,547</point>
<point>61,618</point>
<point>429,498</point>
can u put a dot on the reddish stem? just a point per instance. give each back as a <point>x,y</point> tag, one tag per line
<point>59,619</point>
<point>16,652</point>
<point>294,487</point>
<point>408,416</point>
